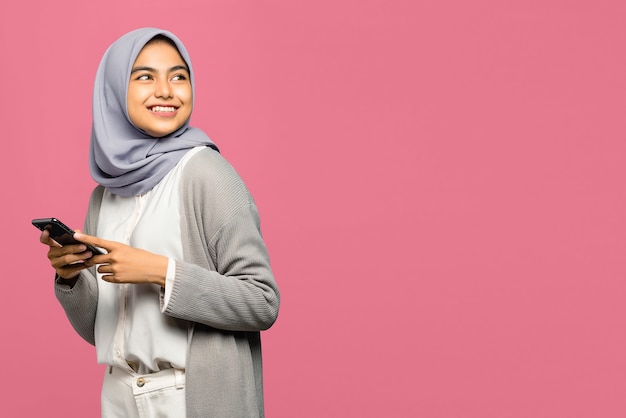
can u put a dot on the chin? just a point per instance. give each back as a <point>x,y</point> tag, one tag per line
<point>162,133</point>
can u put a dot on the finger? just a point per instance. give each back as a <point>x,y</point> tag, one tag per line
<point>44,238</point>
<point>110,277</point>
<point>67,249</point>
<point>95,241</point>
<point>106,273</point>
<point>70,271</point>
<point>106,269</point>
<point>69,260</point>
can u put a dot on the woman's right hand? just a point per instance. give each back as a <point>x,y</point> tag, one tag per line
<point>67,260</point>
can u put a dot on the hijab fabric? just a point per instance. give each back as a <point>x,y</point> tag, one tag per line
<point>122,157</point>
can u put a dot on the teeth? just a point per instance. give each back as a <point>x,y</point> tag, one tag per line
<point>163,109</point>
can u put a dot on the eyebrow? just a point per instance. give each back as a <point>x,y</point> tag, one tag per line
<point>153,70</point>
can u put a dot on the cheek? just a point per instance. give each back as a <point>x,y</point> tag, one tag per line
<point>186,95</point>
<point>138,94</point>
<point>133,100</point>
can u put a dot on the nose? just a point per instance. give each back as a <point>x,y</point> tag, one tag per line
<point>162,88</point>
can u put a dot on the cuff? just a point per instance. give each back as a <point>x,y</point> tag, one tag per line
<point>169,283</point>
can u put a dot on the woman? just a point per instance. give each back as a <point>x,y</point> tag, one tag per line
<point>176,305</point>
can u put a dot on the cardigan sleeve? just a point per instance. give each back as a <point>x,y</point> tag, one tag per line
<point>81,301</point>
<point>225,280</point>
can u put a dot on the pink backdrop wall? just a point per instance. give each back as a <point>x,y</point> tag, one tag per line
<point>441,185</point>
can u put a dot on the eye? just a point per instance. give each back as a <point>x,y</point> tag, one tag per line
<point>179,77</point>
<point>143,77</point>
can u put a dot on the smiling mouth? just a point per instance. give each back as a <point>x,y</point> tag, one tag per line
<point>162,109</point>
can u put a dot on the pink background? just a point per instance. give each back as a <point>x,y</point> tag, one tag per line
<point>441,186</point>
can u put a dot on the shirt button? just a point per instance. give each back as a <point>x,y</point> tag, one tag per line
<point>118,354</point>
<point>140,382</point>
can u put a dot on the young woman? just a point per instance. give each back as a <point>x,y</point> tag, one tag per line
<point>176,305</point>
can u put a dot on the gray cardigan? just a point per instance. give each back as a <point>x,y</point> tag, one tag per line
<point>224,287</point>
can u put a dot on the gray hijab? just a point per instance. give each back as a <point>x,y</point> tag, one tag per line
<point>122,157</point>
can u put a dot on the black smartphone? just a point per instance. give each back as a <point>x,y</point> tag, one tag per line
<point>61,233</point>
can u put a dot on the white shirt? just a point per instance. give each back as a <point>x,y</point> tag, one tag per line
<point>130,324</point>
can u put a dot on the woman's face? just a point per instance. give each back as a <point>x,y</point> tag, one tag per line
<point>159,90</point>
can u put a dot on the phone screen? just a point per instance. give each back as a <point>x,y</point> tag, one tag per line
<point>60,232</point>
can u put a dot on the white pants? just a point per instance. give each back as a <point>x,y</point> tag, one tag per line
<point>126,394</point>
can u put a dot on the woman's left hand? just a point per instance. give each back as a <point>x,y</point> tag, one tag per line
<point>126,264</point>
